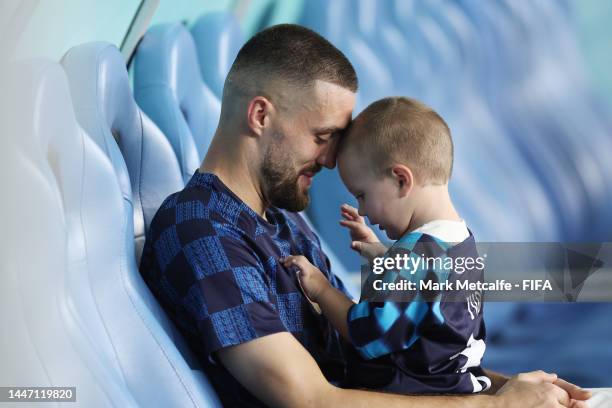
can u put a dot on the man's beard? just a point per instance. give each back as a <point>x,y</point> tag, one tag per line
<point>280,180</point>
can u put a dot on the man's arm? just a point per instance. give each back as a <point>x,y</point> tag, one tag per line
<point>497,381</point>
<point>281,373</point>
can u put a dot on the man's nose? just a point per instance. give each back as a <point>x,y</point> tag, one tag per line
<point>361,211</point>
<point>327,157</point>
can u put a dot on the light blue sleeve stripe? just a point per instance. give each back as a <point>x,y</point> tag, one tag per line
<point>437,312</point>
<point>386,315</point>
<point>408,240</point>
<point>358,311</point>
<point>416,311</point>
<point>373,349</point>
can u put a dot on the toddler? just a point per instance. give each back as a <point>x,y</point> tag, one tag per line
<point>396,159</point>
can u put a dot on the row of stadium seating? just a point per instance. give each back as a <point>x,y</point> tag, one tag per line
<point>94,168</point>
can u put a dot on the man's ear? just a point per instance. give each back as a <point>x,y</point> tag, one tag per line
<point>258,114</point>
<point>404,178</point>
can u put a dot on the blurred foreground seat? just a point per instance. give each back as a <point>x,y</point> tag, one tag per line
<point>150,352</point>
<point>52,333</point>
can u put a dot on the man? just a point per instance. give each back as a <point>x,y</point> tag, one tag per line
<point>211,256</point>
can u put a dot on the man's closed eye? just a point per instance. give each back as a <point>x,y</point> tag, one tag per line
<point>320,141</point>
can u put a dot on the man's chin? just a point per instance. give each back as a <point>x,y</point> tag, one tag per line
<point>302,204</point>
<point>303,200</point>
<point>295,205</point>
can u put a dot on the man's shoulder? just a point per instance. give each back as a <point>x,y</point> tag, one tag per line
<point>204,204</point>
<point>180,208</point>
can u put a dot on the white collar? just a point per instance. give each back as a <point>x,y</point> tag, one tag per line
<point>445,230</point>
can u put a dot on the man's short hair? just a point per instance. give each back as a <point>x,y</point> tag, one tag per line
<point>287,54</point>
<point>404,131</point>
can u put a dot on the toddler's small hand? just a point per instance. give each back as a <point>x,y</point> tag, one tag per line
<point>356,225</point>
<point>369,250</point>
<point>364,239</point>
<point>310,277</point>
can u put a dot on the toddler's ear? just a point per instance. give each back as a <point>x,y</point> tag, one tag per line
<point>404,178</point>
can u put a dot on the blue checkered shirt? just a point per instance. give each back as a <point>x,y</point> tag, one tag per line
<point>212,263</point>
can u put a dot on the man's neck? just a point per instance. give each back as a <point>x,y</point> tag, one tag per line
<point>232,168</point>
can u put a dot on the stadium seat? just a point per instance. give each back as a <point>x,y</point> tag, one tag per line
<point>218,39</point>
<point>511,98</point>
<point>46,300</point>
<point>566,106</point>
<point>168,87</point>
<point>141,155</point>
<point>143,338</point>
<point>335,21</point>
<point>536,205</point>
<point>372,22</point>
<point>501,167</point>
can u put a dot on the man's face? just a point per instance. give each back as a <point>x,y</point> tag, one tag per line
<point>303,139</point>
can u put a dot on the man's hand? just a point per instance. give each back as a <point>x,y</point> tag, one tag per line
<point>364,240</point>
<point>538,388</point>
<point>578,395</point>
<point>311,279</point>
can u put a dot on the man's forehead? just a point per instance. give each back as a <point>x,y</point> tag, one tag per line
<point>332,105</point>
<point>328,93</point>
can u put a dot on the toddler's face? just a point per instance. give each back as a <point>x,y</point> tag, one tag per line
<point>378,197</point>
